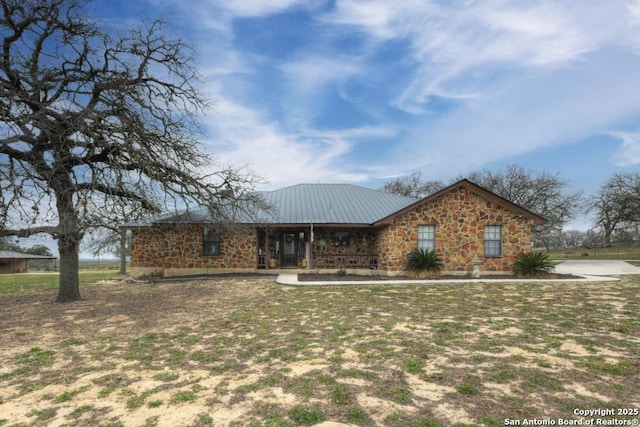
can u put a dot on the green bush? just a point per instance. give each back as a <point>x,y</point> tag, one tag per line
<point>532,264</point>
<point>341,272</point>
<point>423,263</point>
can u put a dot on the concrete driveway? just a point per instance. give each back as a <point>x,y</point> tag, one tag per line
<point>597,267</point>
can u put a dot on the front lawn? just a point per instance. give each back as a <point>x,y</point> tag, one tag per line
<point>11,283</point>
<point>246,351</point>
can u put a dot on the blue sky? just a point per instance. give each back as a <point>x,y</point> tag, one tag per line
<point>367,91</point>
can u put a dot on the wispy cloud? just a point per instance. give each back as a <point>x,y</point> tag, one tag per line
<point>253,8</point>
<point>309,74</point>
<point>522,75</point>
<point>449,86</point>
<point>242,136</point>
<point>629,152</point>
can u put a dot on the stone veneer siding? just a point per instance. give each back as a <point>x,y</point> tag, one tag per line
<point>177,249</point>
<point>459,216</point>
<point>358,254</point>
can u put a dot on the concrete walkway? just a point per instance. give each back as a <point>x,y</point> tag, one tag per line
<point>597,267</point>
<point>588,270</point>
<point>292,280</point>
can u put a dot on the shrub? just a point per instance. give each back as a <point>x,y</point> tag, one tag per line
<point>532,264</point>
<point>341,272</point>
<point>424,263</point>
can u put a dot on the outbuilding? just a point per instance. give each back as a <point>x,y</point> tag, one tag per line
<point>16,262</point>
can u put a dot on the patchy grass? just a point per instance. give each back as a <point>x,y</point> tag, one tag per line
<point>14,283</point>
<point>245,351</point>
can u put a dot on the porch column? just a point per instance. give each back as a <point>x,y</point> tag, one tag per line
<point>267,255</point>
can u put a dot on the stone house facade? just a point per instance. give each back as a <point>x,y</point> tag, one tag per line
<point>177,249</point>
<point>459,217</point>
<point>325,227</point>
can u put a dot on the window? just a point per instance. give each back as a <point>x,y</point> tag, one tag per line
<point>427,237</point>
<point>492,240</point>
<point>341,238</point>
<point>211,242</point>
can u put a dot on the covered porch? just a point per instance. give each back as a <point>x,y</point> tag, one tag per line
<point>314,247</point>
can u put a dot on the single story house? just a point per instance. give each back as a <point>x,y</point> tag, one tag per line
<point>16,262</point>
<point>326,227</point>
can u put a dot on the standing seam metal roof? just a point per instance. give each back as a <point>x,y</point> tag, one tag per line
<point>306,204</point>
<point>328,204</point>
<point>332,204</point>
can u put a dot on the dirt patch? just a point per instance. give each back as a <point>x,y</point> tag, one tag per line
<point>246,351</point>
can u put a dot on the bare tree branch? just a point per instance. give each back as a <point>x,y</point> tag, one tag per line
<point>99,128</point>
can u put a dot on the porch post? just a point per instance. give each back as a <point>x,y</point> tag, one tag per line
<point>267,254</point>
<point>309,246</point>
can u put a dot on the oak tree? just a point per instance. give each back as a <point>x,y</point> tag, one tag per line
<point>540,192</point>
<point>97,127</point>
<point>412,186</point>
<point>616,205</point>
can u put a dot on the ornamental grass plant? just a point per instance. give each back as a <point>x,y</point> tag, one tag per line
<point>532,264</point>
<point>424,263</point>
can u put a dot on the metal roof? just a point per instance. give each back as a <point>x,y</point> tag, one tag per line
<point>332,204</point>
<point>306,204</point>
<point>18,255</point>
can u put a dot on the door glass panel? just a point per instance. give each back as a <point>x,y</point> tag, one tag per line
<point>289,244</point>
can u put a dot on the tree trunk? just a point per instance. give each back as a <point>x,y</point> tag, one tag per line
<point>69,286</point>
<point>607,236</point>
<point>123,252</point>
<point>69,237</point>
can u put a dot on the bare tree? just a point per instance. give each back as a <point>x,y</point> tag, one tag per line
<point>412,186</point>
<point>97,128</point>
<point>540,192</point>
<point>616,205</point>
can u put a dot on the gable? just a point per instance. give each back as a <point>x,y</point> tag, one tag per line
<point>471,188</point>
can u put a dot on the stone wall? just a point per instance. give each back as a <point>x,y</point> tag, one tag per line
<point>459,216</point>
<point>358,254</point>
<point>161,250</point>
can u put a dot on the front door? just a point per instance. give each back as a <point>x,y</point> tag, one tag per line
<point>292,245</point>
<point>289,258</point>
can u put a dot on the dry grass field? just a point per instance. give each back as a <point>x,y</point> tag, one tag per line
<point>248,352</point>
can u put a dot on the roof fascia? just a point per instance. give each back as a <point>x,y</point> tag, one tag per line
<point>318,225</point>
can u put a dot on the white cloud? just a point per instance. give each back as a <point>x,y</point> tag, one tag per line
<point>382,19</point>
<point>309,74</point>
<point>242,136</point>
<point>251,8</point>
<point>629,152</point>
<point>519,76</point>
<point>527,112</point>
<point>467,40</point>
